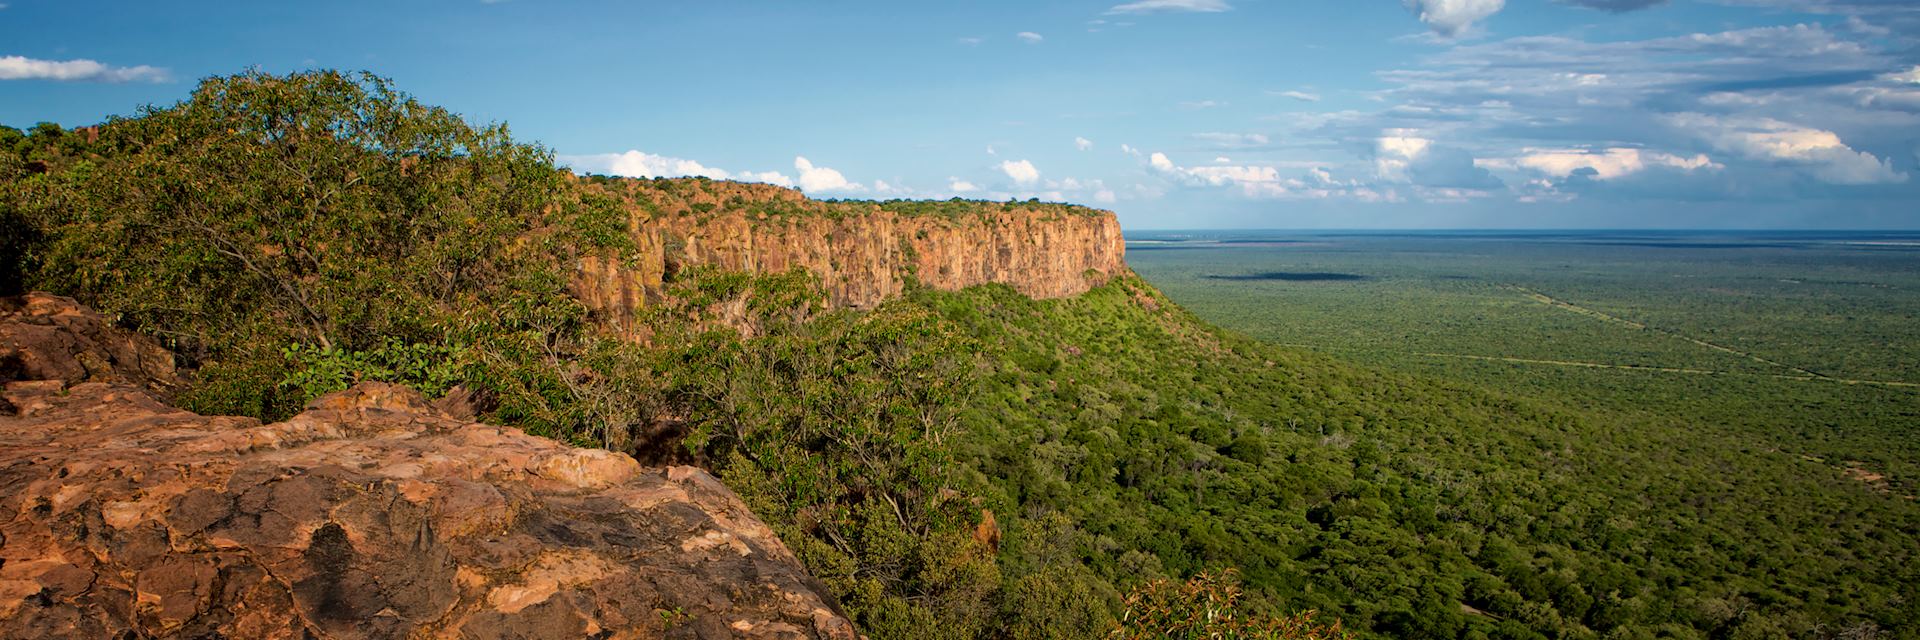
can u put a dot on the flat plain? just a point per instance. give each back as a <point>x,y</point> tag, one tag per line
<point>1806,343</point>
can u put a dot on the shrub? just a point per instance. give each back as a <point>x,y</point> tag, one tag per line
<point>1208,606</point>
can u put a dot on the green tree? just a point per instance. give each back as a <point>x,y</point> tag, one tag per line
<point>319,208</point>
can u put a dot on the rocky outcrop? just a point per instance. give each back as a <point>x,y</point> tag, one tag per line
<point>863,252</point>
<point>371,515</point>
<point>48,337</point>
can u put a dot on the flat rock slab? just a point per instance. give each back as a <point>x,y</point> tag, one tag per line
<point>370,515</point>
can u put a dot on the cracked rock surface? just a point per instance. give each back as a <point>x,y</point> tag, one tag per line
<point>370,515</point>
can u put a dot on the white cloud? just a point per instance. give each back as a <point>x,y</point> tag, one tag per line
<point>1202,104</point>
<point>957,185</point>
<point>1223,160</point>
<point>1233,140</point>
<point>1160,162</point>
<point>1855,24</point>
<point>769,177</point>
<point>819,179</point>
<point>24,68</point>
<point>640,164</point>
<point>1082,144</point>
<point>1129,150</point>
<point>1218,176</point>
<point>1297,95</point>
<point>972,41</point>
<point>1450,18</point>
<point>1022,171</point>
<point>1266,182</point>
<point>1450,195</point>
<point>1898,99</point>
<point>1029,37</point>
<point>1156,6</point>
<point>1607,164</point>
<point>1395,152</point>
<point>1820,151</point>
<point>1405,156</point>
<point>1911,76</point>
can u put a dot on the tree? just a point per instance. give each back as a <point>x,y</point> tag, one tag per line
<point>319,208</point>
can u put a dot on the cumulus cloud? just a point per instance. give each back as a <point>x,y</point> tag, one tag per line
<point>1082,144</point>
<point>1298,95</point>
<point>1572,102</point>
<point>1029,37</point>
<point>1604,164</point>
<point>1171,6</point>
<point>957,185</point>
<point>1819,151</point>
<point>1266,181</point>
<point>822,179</point>
<point>640,164</point>
<point>1450,18</point>
<point>82,70</point>
<point>1405,157</point>
<point>1021,171</point>
<point>769,177</point>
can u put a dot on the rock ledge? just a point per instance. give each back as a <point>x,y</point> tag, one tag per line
<point>371,515</point>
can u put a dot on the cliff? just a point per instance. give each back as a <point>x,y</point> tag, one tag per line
<point>863,252</point>
<point>373,514</point>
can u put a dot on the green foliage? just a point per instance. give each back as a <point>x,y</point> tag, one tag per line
<point>1208,607</point>
<point>959,208</point>
<point>1694,492</point>
<point>703,199</point>
<point>324,209</point>
<point>431,368</point>
<point>833,427</point>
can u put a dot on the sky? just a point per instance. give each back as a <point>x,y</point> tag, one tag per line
<point>1175,114</point>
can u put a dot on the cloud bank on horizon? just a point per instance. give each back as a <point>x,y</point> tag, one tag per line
<point>1701,113</point>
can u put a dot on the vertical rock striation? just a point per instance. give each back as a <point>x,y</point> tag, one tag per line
<point>862,252</point>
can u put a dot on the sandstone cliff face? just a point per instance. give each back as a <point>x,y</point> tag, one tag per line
<point>863,252</point>
<point>372,515</point>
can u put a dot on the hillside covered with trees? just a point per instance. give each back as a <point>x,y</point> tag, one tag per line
<point>967,464</point>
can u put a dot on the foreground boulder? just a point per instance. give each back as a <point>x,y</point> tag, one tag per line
<point>371,515</point>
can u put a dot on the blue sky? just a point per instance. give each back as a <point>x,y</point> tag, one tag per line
<point>1173,113</point>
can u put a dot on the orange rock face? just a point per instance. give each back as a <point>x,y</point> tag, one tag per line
<point>371,515</point>
<point>863,252</point>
